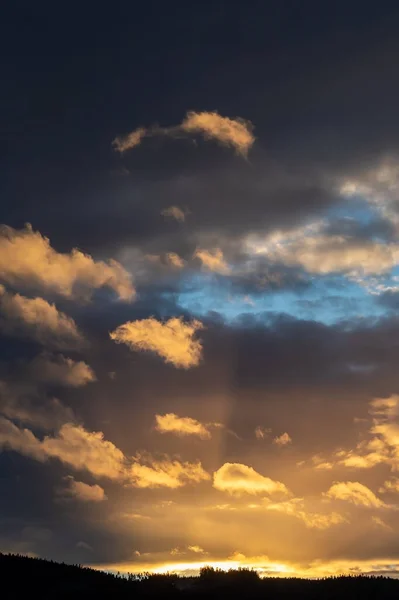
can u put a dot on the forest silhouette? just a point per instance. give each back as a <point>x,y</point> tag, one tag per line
<point>23,576</point>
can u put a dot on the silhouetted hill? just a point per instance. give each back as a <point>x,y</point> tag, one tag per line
<point>24,577</point>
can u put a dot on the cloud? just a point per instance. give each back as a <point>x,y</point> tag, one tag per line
<point>173,340</point>
<point>174,212</point>
<point>27,260</point>
<point>38,319</point>
<point>61,371</point>
<point>174,260</point>
<point>22,403</point>
<point>165,473</point>
<point>131,140</point>
<point>295,508</point>
<point>213,261</point>
<point>236,478</point>
<point>89,451</point>
<point>182,426</point>
<point>282,440</point>
<point>262,432</point>
<point>317,251</point>
<point>83,491</point>
<point>391,485</point>
<point>234,133</point>
<point>354,492</point>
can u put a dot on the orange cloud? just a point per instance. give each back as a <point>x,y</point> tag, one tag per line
<point>89,451</point>
<point>175,213</point>
<point>171,423</point>
<point>131,140</point>
<point>173,340</point>
<point>83,491</point>
<point>27,260</point>
<point>165,473</point>
<point>236,478</point>
<point>295,508</point>
<point>356,493</point>
<point>38,319</point>
<point>174,260</point>
<point>213,261</point>
<point>262,432</point>
<point>282,440</point>
<point>234,133</point>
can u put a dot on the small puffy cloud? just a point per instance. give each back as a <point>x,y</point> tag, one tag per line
<point>174,212</point>
<point>213,261</point>
<point>38,319</point>
<point>174,260</point>
<point>234,133</point>
<point>165,473</point>
<point>236,478</point>
<point>282,440</point>
<point>131,140</point>
<point>391,485</point>
<point>196,549</point>
<point>173,340</point>
<point>354,492</point>
<point>262,432</point>
<point>83,491</point>
<point>182,426</point>
<point>61,371</point>
<point>27,260</point>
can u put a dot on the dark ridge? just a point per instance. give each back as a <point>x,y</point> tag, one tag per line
<point>25,577</point>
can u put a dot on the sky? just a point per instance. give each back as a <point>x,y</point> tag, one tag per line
<point>199,286</point>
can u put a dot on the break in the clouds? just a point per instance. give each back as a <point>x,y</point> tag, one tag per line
<point>28,261</point>
<point>173,340</point>
<point>234,133</point>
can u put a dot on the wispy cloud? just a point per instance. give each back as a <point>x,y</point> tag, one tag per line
<point>282,440</point>
<point>182,426</point>
<point>83,492</point>
<point>174,212</point>
<point>355,493</point>
<point>61,370</point>
<point>173,340</point>
<point>234,133</point>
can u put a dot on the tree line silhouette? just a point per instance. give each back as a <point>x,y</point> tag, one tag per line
<point>22,576</point>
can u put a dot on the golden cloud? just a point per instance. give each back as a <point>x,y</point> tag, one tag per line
<point>175,213</point>
<point>356,493</point>
<point>39,320</point>
<point>89,451</point>
<point>295,508</point>
<point>83,491</point>
<point>282,440</point>
<point>236,478</point>
<point>131,140</point>
<point>182,426</point>
<point>61,370</point>
<point>234,133</point>
<point>262,432</point>
<point>28,260</point>
<point>213,261</point>
<point>173,340</point>
<point>174,260</point>
<point>165,473</point>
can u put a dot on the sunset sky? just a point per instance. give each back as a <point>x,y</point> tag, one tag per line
<point>199,285</point>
